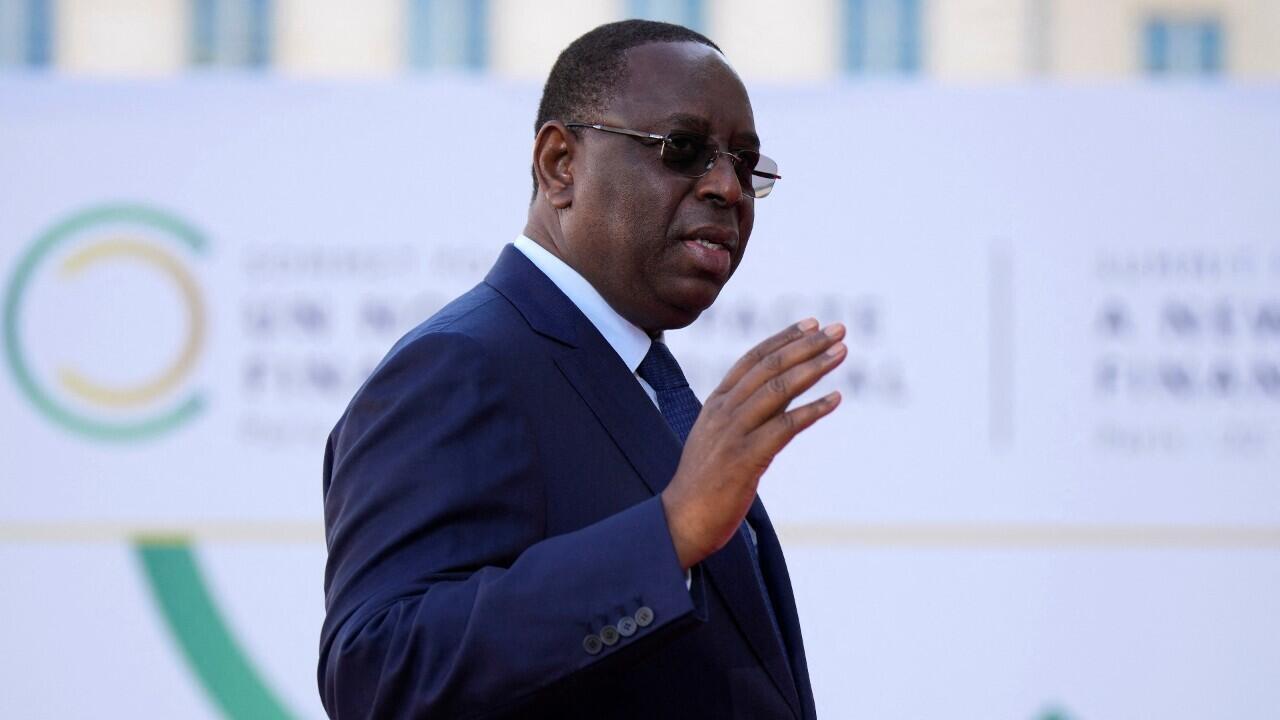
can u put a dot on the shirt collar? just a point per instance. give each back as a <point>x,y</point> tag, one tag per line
<point>630,342</point>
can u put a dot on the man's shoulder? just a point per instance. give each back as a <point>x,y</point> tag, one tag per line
<point>481,313</point>
<point>481,324</point>
<point>469,342</point>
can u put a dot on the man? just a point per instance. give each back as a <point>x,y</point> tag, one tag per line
<point>523,517</point>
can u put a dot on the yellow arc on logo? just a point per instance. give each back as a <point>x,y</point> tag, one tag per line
<point>100,394</point>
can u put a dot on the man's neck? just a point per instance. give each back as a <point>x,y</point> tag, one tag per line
<point>546,239</point>
<point>539,233</point>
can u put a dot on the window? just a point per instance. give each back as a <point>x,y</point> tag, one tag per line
<point>689,13</point>
<point>1183,47</point>
<point>231,33</point>
<point>25,33</point>
<point>882,37</point>
<point>448,33</point>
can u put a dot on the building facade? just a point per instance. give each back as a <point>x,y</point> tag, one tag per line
<point>803,40</point>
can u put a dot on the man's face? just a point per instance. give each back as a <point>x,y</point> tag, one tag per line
<point>634,226</point>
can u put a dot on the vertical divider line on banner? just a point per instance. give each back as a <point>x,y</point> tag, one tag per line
<point>221,666</point>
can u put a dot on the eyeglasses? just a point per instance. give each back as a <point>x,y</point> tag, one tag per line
<point>693,155</point>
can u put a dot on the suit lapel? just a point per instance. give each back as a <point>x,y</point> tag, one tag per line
<point>605,384</point>
<point>593,368</point>
<point>731,570</point>
<point>774,567</point>
<point>626,413</point>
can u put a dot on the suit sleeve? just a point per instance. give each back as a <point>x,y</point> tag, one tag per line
<point>443,597</point>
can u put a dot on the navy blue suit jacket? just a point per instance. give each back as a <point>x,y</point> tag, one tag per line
<point>490,499</point>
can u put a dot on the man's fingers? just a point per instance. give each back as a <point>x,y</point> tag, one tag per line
<point>782,360</point>
<point>788,335</point>
<point>778,391</point>
<point>774,435</point>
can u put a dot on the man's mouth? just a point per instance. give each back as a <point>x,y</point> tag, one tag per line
<point>713,237</point>
<point>711,250</point>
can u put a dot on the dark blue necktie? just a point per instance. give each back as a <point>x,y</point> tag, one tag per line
<point>676,401</point>
<point>680,407</point>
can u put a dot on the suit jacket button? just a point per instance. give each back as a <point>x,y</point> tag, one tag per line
<point>644,616</point>
<point>609,635</point>
<point>627,626</point>
<point>592,644</point>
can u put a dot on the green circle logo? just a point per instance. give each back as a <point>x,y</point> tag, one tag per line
<point>69,395</point>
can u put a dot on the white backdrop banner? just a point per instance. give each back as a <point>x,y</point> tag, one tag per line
<point>1053,490</point>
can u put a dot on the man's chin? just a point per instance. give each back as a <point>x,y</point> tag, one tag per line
<point>690,304</point>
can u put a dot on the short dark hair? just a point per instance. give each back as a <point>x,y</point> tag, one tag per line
<point>587,73</point>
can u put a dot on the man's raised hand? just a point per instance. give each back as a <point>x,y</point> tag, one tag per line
<point>743,424</point>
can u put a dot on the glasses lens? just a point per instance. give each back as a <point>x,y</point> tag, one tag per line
<point>763,174</point>
<point>687,153</point>
<point>692,155</point>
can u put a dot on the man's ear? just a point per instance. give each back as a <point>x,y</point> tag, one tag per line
<point>553,154</point>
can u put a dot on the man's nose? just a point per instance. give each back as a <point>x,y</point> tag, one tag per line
<point>721,184</point>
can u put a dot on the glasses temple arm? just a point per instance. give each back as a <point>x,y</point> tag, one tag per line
<point>618,130</point>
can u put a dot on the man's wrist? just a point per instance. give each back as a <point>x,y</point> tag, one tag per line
<point>686,552</point>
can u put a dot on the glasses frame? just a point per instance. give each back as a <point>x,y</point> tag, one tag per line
<point>716,152</point>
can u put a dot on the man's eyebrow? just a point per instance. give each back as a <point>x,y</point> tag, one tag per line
<point>687,121</point>
<point>748,139</point>
<point>698,123</point>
